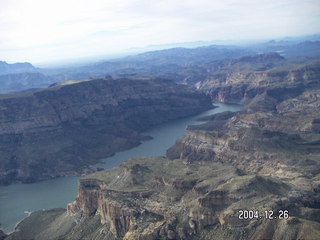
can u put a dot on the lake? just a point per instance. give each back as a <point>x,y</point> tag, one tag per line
<point>17,200</point>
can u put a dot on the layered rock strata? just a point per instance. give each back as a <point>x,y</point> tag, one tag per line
<point>63,129</point>
<point>240,80</point>
<point>259,139</point>
<point>247,175</point>
<point>254,174</point>
<point>158,198</point>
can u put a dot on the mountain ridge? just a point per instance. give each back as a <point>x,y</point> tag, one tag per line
<point>65,128</point>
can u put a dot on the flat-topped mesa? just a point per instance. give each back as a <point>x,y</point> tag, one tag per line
<point>115,199</point>
<point>132,208</point>
<point>63,129</point>
<point>94,198</point>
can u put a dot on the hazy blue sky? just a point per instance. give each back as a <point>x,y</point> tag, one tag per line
<point>41,30</point>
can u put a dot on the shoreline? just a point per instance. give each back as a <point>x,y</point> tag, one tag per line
<point>190,119</point>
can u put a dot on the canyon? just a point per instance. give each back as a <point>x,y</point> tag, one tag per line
<point>264,158</point>
<point>62,130</point>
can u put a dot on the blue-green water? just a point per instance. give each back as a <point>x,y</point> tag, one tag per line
<point>17,199</point>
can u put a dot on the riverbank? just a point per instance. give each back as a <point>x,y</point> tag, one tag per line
<point>57,193</point>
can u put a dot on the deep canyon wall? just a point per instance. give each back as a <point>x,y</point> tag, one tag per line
<point>65,128</point>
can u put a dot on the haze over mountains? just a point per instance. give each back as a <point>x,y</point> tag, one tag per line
<point>90,85</point>
<point>176,63</point>
<point>264,157</point>
<point>223,73</point>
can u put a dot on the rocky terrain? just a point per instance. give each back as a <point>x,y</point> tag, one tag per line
<point>280,140</point>
<point>63,129</point>
<point>158,198</point>
<point>240,80</point>
<point>185,65</point>
<point>264,159</point>
<point>154,64</point>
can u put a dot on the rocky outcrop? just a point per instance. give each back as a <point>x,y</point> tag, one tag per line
<point>148,198</point>
<point>247,175</point>
<point>271,142</point>
<point>233,83</point>
<point>264,159</point>
<point>65,128</point>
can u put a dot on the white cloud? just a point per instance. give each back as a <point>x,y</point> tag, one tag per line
<point>41,30</point>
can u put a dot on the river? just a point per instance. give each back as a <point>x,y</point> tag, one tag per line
<point>17,200</point>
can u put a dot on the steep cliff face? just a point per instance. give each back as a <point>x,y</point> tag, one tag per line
<point>65,128</point>
<point>232,83</point>
<point>148,198</point>
<point>247,175</point>
<point>268,140</point>
<point>275,136</point>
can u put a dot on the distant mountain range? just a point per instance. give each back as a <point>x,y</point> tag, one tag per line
<point>6,68</point>
<point>178,64</point>
<point>22,81</point>
<point>262,159</point>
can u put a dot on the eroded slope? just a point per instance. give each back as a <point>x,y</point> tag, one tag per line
<point>65,128</point>
<point>158,198</point>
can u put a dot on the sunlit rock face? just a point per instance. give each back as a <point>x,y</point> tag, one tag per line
<point>251,160</point>
<point>158,198</point>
